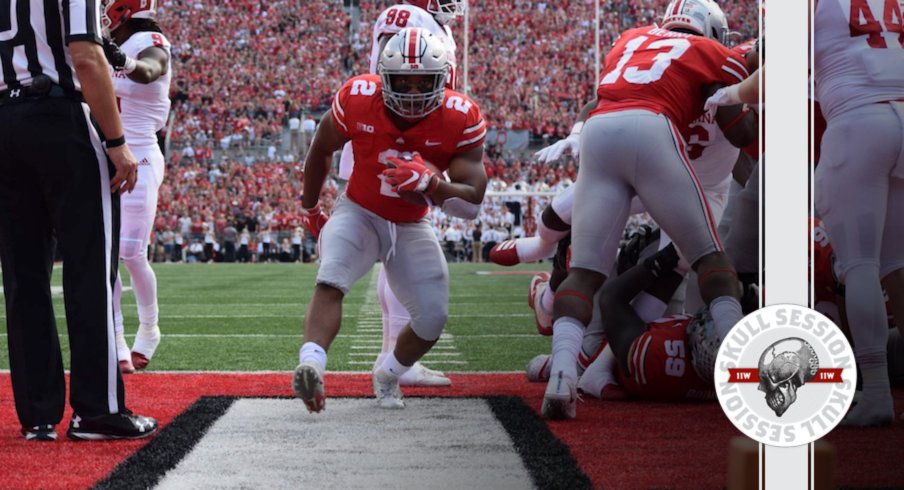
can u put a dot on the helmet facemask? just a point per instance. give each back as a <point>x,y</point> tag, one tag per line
<point>445,11</point>
<point>413,104</point>
<point>413,67</point>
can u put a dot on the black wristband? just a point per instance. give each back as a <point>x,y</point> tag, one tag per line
<point>113,143</point>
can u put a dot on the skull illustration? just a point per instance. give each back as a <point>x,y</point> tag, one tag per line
<point>784,367</point>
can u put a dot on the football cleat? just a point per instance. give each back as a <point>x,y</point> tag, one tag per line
<point>126,367</point>
<point>307,382</point>
<point>871,412</point>
<point>561,398</point>
<point>505,253</point>
<point>124,425</point>
<point>386,389</point>
<point>146,342</point>
<point>539,367</point>
<point>44,433</point>
<point>538,284</point>
<point>419,375</point>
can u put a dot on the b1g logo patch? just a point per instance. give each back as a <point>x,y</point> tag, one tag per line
<point>785,375</point>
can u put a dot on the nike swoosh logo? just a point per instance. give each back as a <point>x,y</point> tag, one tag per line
<point>410,180</point>
<point>433,143</point>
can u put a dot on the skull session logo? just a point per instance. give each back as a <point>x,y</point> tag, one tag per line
<point>785,375</point>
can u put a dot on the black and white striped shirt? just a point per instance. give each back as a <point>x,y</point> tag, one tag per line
<point>34,35</point>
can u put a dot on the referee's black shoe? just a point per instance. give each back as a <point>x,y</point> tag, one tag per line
<point>124,425</point>
<point>45,432</point>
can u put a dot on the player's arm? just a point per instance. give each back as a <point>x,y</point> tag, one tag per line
<point>623,324</point>
<point>152,62</point>
<point>463,194</point>
<point>319,160</point>
<point>738,124</point>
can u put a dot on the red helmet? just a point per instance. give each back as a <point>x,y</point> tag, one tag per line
<point>116,12</point>
<point>444,11</point>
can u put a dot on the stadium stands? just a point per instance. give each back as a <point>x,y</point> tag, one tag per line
<point>242,68</point>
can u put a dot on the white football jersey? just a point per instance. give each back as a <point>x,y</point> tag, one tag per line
<point>859,60</point>
<point>398,17</point>
<point>144,107</point>
<point>712,156</point>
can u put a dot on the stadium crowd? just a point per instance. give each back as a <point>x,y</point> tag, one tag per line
<point>218,196</point>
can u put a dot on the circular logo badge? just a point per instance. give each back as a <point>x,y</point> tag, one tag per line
<point>785,375</point>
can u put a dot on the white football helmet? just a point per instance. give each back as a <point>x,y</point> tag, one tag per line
<point>703,17</point>
<point>413,52</point>
<point>444,11</point>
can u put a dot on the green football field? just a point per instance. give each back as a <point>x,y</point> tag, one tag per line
<point>248,317</point>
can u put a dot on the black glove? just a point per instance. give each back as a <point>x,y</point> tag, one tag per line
<point>117,59</point>
<point>662,261</point>
<point>630,251</point>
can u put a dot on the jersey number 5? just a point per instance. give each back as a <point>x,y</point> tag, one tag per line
<point>633,66</point>
<point>674,365</point>
<point>864,23</point>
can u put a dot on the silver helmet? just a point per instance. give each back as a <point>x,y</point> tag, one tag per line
<point>703,17</point>
<point>414,66</point>
<point>444,11</point>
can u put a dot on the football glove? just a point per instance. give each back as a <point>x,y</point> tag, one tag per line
<point>662,261</point>
<point>410,175</point>
<point>313,220</point>
<point>724,96</point>
<point>572,143</point>
<point>117,59</point>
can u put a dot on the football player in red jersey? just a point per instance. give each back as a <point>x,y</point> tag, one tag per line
<point>655,83</point>
<point>397,122</point>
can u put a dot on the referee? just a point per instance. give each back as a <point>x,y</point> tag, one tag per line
<point>56,188</point>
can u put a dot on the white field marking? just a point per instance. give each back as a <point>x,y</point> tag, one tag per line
<point>432,361</point>
<point>371,347</point>
<point>370,318</point>
<point>275,443</point>
<point>452,300</point>
<point>429,354</point>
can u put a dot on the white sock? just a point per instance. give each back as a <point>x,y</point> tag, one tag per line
<point>599,373</point>
<point>567,334</point>
<point>311,352</point>
<point>534,249</point>
<point>649,307</point>
<point>144,285</point>
<point>547,299</point>
<point>392,366</point>
<point>726,312</point>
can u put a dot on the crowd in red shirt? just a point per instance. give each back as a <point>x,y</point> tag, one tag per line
<point>242,67</point>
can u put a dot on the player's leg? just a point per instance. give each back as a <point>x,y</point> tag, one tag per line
<point>892,255</point>
<point>417,271</point>
<point>138,210</point>
<point>554,225</point>
<point>349,247</point>
<point>594,241</point>
<point>122,347</point>
<point>717,199</point>
<point>852,185</point>
<point>669,189</point>
<point>395,317</point>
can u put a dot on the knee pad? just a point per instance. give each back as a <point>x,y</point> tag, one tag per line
<point>132,250</point>
<point>549,235</point>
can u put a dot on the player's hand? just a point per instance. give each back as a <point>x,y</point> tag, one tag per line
<point>552,152</point>
<point>313,220</point>
<point>663,261</point>
<point>410,175</point>
<point>629,253</point>
<point>126,169</point>
<point>724,96</point>
<point>117,59</point>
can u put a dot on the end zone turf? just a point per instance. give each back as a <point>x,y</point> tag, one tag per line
<point>613,445</point>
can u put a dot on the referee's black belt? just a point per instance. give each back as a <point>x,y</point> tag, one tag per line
<point>37,90</point>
